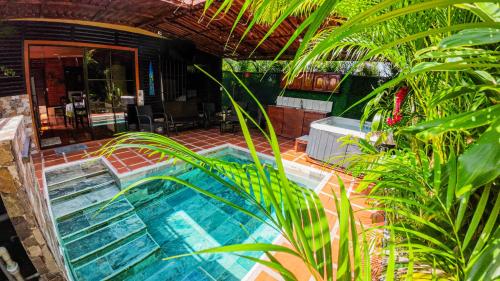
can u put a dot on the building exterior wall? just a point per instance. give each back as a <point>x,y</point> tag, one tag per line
<point>13,97</point>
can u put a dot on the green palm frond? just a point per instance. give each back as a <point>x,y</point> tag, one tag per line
<point>294,211</point>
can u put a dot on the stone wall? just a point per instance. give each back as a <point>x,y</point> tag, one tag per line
<point>24,201</point>
<point>17,105</point>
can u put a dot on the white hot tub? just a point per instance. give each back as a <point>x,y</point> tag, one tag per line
<point>324,144</point>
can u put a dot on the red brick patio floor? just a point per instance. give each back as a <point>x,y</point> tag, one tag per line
<point>127,160</point>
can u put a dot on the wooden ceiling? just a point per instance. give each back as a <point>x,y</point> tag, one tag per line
<point>170,18</point>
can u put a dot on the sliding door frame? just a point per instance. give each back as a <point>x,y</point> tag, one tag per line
<point>26,48</point>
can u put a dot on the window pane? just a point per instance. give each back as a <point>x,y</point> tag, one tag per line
<point>122,65</point>
<point>97,63</point>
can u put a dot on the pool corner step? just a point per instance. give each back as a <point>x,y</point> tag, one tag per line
<point>67,193</point>
<point>114,264</point>
<point>71,172</point>
<point>103,240</point>
<point>65,208</point>
<point>89,220</point>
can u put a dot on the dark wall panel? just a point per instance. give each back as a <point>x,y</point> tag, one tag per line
<point>11,56</point>
<point>149,49</point>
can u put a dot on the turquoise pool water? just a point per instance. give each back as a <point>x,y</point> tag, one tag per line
<point>129,238</point>
<point>187,221</point>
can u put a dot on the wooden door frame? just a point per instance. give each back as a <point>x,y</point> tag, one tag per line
<point>28,43</point>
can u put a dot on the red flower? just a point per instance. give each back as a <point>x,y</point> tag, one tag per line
<point>396,116</point>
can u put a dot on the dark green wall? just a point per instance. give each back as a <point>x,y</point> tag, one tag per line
<point>267,88</point>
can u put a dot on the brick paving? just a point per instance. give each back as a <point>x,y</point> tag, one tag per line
<point>127,160</point>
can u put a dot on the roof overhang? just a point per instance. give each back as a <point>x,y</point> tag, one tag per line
<point>179,19</point>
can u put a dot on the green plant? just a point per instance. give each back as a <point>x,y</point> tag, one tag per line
<point>113,93</point>
<point>5,31</point>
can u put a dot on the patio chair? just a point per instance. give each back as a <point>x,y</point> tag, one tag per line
<point>148,120</point>
<point>183,113</point>
<point>209,117</point>
<point>160,115</point>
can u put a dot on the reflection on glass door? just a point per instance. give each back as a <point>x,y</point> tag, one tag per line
<point>110,80</point>
<point>56,73</point>
<point>79,93</point>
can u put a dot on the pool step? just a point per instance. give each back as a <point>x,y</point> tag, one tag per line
<point>113,265</point>
<point>89,220</point>
<point>101,241</point>
<point>78,171</point>
<point>75,204</point>
<point>72,188</point>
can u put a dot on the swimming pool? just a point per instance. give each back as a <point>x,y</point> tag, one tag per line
<point>161,219</point>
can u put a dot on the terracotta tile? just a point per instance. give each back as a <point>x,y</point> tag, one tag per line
<point>92,149</point>
<point>94,145</point>
<point>54,162</point>
<point>332,219</point>
<point>77,157</point>
<point>38,166</point>
<point>359,201</point>
<point>366,217</point>
<point>199,143</point>
<point>328,202</point>
<point>117,164</point>
<point>48,152</point>
<point>133,160</point>
<point>125,154</point>
<point>40,184</point>
<point>138,165</point>
<point>294,264</point>
<point>52,157</point>
<point>122,170</point>
<point>37,158</point>
<point>80,152</point>
<point>263,276</point>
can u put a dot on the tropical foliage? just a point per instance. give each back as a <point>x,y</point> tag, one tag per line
<point>438,116</point>
<point>437,186</point>
<point>6,31</point>
<point>373,69</point>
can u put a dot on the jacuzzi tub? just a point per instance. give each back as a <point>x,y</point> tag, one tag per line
<point>324,144</point>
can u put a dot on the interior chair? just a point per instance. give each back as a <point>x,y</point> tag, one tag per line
<point>79,110</point>
<point>61,110</point>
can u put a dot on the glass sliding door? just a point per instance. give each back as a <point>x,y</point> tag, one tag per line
<point>110,80</point>
<point>56,74</point>
<point>80,91</point>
